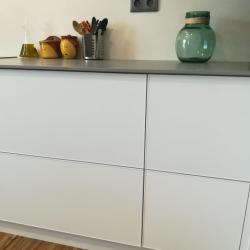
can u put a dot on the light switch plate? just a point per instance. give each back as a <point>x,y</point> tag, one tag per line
<point>144,5</point>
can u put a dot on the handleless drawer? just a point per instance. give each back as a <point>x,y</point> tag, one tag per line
<point>189,212</point>
<point>70,115</point>
<point>199,125</point>
<point>77,198</point>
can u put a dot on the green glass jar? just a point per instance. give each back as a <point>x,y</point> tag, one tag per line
<point>196,41</point>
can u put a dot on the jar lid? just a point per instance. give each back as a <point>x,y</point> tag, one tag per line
<point>194,14</point>
<point>198,17</point>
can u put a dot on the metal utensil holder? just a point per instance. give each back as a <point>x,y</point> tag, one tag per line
<point>92,46</point>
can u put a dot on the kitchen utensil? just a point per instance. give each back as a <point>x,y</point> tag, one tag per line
<point>103,25</point>
<point>93,24</point>
<point>85,26</point>
<point>88,26</point>
<point>93,38</point>
<point>97,27</point>
<point>78,28</point>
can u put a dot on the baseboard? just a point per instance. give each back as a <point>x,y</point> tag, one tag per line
<point>62,238</point>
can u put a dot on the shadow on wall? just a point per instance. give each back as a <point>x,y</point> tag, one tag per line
<point>233,40</point>
<point>119,40</point>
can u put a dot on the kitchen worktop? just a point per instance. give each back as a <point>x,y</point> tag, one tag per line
<point>130,66</point>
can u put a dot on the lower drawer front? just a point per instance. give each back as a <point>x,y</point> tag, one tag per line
<point>84,199</point>
<point>193,213</point>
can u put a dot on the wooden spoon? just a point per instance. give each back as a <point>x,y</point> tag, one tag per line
<point>78,28</point>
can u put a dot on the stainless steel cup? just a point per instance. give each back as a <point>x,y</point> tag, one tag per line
<point>92,46</point>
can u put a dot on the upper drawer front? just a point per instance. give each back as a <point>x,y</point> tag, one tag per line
<point>199,125</point>
<point>80,116</point>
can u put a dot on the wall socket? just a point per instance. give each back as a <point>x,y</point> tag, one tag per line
<point>144,5</point>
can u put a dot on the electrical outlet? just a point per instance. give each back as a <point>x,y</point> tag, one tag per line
<point>144,5</point>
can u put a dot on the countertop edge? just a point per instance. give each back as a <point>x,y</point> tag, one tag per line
<point>132,67</point>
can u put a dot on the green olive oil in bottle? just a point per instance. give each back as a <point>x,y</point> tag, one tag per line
<point>28,49</point>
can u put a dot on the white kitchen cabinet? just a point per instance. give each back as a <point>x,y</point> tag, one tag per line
<point>96,201</point>
<point>245,243</point>
<point>199,125</point>
<point>193,213</point>
<point>88,117</point>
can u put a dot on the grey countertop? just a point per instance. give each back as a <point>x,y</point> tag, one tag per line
<point>126,66</point>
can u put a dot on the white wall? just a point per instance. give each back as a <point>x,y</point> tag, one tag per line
<point>131,36</point>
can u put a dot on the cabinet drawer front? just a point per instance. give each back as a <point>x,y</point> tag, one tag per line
<point>185,212</point>
<point>82,199</point>
<point>89,117</point>
<point>199,125</point>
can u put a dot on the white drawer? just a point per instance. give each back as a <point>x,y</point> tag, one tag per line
<point>80,116</point>
<point>84,199</point>
<point>199,125</point>
<point>193,213</point>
